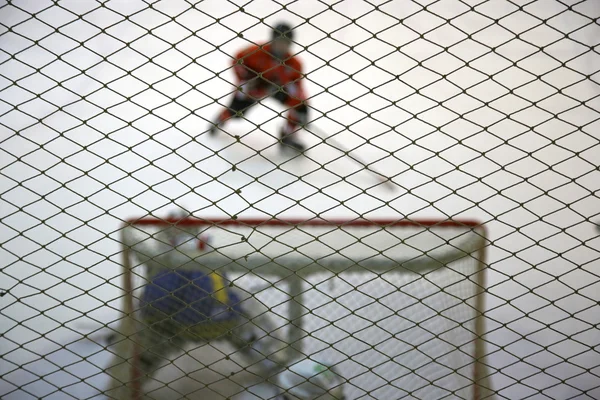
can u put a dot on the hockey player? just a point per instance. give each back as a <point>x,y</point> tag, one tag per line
<point>269,70</point>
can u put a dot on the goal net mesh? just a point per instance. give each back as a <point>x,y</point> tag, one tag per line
<point>394,306</point>
<point>353,269</point>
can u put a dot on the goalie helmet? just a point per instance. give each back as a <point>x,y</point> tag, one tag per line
<point>308,380</point>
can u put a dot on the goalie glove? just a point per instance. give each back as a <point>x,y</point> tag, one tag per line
<point>309,380</point>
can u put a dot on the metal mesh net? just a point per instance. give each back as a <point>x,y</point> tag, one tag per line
<point>424,113</point>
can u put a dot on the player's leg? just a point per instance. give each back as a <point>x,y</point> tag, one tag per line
<point>248,94</point>
<point>297,116</point>
<point>235,109</point>
<point>256,336</point>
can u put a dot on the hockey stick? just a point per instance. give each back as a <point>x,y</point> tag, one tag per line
<point>384,180</point>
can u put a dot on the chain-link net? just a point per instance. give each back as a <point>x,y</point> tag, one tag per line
<point>404,206</point>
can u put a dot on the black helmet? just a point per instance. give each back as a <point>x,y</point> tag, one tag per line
<point>282,30</point>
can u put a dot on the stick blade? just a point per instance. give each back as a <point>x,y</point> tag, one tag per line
<point>387,184</point>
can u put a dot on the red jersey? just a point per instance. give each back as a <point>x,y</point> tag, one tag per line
<point>255,59</point>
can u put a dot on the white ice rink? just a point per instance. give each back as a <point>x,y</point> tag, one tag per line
<point>104,119</point>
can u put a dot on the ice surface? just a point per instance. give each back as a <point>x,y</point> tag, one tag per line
<point>105,119</point>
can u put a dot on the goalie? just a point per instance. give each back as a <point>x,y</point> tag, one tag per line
<point>269,70</point>
<point>185,302</point>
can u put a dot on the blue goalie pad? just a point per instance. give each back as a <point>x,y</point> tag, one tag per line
<point>190,298</point>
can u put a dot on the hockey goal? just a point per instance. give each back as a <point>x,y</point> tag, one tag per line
<point>394,305</point>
